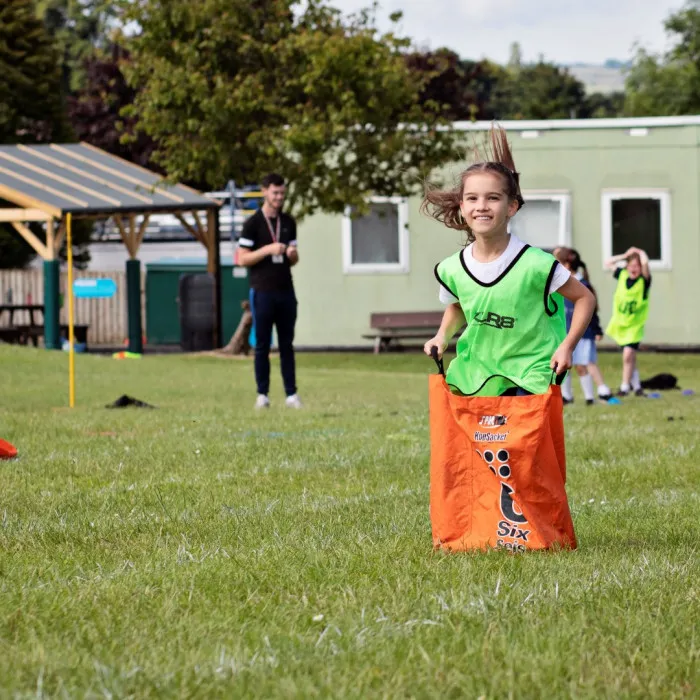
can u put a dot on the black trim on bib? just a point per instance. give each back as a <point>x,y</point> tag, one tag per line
<point>502,275</point>
<point>442,284</point>
<point>558,379</point>
<point>547,295</point>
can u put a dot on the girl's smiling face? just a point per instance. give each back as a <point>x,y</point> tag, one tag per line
<point>485,205</point>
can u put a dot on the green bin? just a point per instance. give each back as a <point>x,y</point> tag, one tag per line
<point>162,309</point>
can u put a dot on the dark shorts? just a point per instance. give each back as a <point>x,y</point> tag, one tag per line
<point>634,346</point>
<point>516,391</point>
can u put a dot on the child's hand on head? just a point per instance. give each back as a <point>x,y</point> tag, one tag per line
<point>562,359</point>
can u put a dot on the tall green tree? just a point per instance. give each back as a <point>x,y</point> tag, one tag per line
<point>539,91</point>
<point>463,89</point>
<point>80,29</point>
<point>668,84</point>
<point>600,105</point>
<point>31,104</point>
<point>95,109</point>
<point>233,89</point>
<point>515,60</point>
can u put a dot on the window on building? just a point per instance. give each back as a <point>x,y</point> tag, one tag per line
<point>640,219</point>
<point>378,240</point>
<point>545,220</point>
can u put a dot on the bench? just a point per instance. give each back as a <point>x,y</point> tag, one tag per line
<point>28,332</point>
<point>10,335</point>
<point>388,328</point>
<point>24,333</point>
<point>33,333</point>
<point>21,333</point>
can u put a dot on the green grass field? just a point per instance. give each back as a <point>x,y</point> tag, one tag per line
<point>205,550</point>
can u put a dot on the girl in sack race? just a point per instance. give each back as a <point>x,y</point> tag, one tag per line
<point>497,462</point>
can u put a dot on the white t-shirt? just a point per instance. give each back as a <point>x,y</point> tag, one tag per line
<point>488,272</point>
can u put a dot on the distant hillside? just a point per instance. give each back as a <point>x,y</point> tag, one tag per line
<point>605,79</point>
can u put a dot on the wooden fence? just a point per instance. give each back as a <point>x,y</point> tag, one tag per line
<point>107,318</point>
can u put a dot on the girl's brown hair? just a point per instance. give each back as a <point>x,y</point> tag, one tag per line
<point>496,157</point>
<point>563,255</point>
<point>571,257</point>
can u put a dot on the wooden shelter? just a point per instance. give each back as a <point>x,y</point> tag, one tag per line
<point>46,182</point>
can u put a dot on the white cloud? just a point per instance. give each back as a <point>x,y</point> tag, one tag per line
<point>565,31</point>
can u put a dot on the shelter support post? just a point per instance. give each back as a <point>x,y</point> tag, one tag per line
<point>52,305</point>
<point>52,291</point>
<point>133,299</point>
<point>132,238</point>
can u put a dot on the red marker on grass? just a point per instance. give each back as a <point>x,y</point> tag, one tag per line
<point>7,451</point>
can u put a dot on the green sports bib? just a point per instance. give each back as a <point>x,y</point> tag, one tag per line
<point>630,311</point>
<point>513,327</point>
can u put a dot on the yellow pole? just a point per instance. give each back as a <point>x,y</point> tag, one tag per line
<point>69,294</point>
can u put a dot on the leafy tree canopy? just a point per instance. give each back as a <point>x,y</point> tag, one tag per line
<point>234,89</point>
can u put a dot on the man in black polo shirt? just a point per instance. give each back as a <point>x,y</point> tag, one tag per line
<point>268,248</point>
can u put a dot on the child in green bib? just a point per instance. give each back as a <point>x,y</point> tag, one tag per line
<point>630,311</point>
<point>508,293</point>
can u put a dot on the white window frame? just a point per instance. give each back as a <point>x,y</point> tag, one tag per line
<point>664,197</point>
<point>400,268</point>
<point>563,198</point>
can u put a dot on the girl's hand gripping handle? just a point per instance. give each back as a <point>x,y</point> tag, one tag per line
<point>437,357</point>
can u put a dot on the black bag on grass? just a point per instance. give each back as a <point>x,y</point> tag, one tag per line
<point>660,382</point>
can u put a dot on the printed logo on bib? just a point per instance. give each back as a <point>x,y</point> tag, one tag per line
<point>489,318</point>
<point>512,533</point>
<point>493,421</point>
<point>627,307</point>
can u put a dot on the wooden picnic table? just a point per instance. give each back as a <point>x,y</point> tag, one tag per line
<point>30,308</point>
<point>21,333</point>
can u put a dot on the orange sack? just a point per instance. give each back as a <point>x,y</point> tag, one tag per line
<point>497,471</point>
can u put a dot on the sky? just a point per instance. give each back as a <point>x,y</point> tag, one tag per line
<point>565,31</point>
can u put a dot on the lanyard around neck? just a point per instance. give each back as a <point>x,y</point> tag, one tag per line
<point>276,233</point>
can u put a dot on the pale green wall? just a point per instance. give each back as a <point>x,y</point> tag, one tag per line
<point>334,308</point>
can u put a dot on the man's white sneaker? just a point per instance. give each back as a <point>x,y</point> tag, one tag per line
<point>262,401</point>
<point>293,401</point>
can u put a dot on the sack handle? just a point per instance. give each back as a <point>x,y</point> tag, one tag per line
<point>438,360</point>
<point>557,379</point>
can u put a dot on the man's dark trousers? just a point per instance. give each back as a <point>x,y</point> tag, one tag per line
<point>277,308</point>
